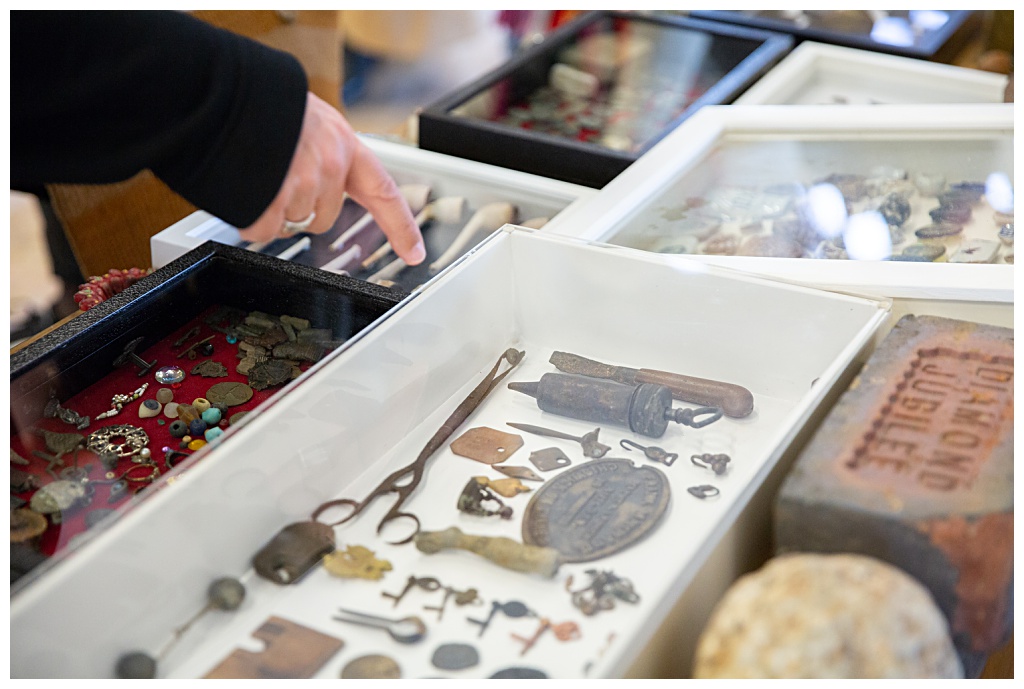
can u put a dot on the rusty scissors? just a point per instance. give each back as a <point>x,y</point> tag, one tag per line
<point>404,481</point>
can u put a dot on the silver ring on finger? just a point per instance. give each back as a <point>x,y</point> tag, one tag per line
<point>290,227</point>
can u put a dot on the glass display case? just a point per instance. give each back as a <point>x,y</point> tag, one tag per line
<point>337,451</point>
<point>121,400</point>
<point>929,34</point>
<point>910,202</point>
<point>820,74</point>
<point>596,93</point>
<point>456,202</point>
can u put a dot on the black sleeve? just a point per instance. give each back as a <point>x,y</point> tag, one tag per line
<point>98,96</point>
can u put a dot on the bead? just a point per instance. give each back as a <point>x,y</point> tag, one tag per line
<point>171,410</point>
<point>206,349</point>
<point>160,422</point>
<point>178,429</point>
<point>136,665</point>
<point>212,434</point>
<point>232,339</point>
<point>197,427</point>
<point>187,413</point>
<point>145,453</point>
<point>212,416</point>
<point>201,404</point>
<point>164,395</point>
<point>196,444</point>
<point>226,593</point>
<point>186,439</point>
<point>149,408</point>
<point>183,445</point>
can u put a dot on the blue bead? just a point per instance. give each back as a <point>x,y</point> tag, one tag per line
<point>213,433</point>
<point>232,339</point>
<point>212,416</point>
<point>196,428</point>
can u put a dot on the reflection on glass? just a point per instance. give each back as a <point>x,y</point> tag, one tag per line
<point>885,199</point>
<point>903,28</point>
<point>617,84</point>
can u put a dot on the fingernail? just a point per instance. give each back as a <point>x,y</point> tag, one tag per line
<point>416,254</point>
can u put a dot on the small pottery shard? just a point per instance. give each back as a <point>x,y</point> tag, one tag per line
<point>976,251</point>
<point>486,445</point>
<point>269,373</point>
<point>231,394</point>
<point>521,473</point>
<point>272,337</point>
<point>289,331</point>
<point>245,365</point>
<point>297,323</point>
<point>303,351</point>
<point>261,320</point>
<point>210,369</point>
<point>315,335</point>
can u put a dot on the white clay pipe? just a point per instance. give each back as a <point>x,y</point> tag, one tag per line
<point>339,263</point>
<point>296,248</point>
<point>487,219</point>
<point>535,223</point>
<point>415,195</point>
<point>447,209</point>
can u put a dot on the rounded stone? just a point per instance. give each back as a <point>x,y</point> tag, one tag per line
<point>226,593</point>
<point>201,404</point>
<point>171,410</point>
<point>136,665</point>
<point>170,375</point>
<point>196,427</point>
<point>196,444</point>
<point>519,673</point>
<point>177,429</point>
<point>164,395</point>
<point>212,416</point>
<point>806,615</point>
<point>149,409</point>
<point>212,434</point>
<point>455,657</point>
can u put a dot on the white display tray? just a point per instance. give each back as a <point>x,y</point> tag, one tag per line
<point>820,74</point>
<point>850,138</point>
<point>448,176</point>
<point>372,405</point>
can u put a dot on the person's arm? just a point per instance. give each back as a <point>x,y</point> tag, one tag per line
<point>223,120</point>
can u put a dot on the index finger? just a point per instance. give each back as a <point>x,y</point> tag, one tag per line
<point>370,185</point>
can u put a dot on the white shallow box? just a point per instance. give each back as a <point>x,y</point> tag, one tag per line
<point>758,146</point>
<point>478,183</point>
<point>820,74</point>
<point>372,406</point>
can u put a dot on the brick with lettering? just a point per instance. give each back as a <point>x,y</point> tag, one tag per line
<point>914,466</point>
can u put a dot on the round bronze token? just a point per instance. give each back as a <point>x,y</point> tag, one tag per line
<point>372,667</point>
<point>231,394</point>
<point>26,525</point>
<point>596,509</point>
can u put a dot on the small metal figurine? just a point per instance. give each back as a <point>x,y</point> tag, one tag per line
<point>476,494</point>
<point>68,416</point>
<point>118,402</point>
<point>605,586</point>
<point>655,453</point>
<point>717,463</point>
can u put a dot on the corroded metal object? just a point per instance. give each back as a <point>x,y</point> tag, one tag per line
<point>355,562</point>
<point>269,373</point>
<point>703,491</point>
<point>407,630</point>
<point>269,338</point>
<point>68,416</point>
<point>129,356</point>
<point>405,480</point>
<point>718,463</point>
<point>549,459</point>
<point>229,393</point>
<point>563,631</point>
<point>914,465</point>
<point>290,650</point>
<point>604,589</point>
<point>486,445</point>
<point>651,452</point>
<point>23,481</point>
<point>503,552</point>
<point>505,487</point>
<point>474,499</point>
<point>59,498</point>
<point>61,443</point>
<point>645,409</point>
<point>303,351</point>
<point>522,473</point>
<point>295,550</point>
<point>513,609</point>
<point>210,369</point>
<point>596,509</point>
<point>591,448</point>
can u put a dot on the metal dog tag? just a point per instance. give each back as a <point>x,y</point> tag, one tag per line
<point>549,458</point>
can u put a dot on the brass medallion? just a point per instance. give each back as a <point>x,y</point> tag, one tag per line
<point>596,509</point>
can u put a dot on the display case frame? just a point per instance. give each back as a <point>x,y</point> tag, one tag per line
<point>378,403</point>
<point>945,289</point>
<point>941,46</point>
<point>821,74</point>
<point>560,158</point>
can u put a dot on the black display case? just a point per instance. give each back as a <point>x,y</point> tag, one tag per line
<point>936,35</point>
<point>598,92</point>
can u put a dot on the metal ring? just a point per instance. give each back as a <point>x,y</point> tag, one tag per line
<point>289,228</point>
<point>151,477</point>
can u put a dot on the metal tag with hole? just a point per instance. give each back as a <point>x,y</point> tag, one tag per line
<point>549,458</point>
<point>521,473</point>
<point>486,445</point>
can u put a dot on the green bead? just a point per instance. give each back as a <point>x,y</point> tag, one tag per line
<point>212,416</point>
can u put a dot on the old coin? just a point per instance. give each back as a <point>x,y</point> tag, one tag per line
<point>596,509</point>
<point>486,445</point>
<point>372,667</point>
<point>231,394</point>
<point>455,657</point>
